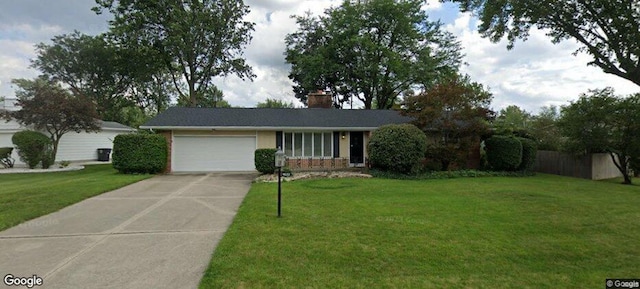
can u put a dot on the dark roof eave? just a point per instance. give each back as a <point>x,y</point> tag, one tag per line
<point>258,128</point>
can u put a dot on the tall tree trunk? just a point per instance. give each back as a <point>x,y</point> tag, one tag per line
<point>368,100</point>
<point>192,94</point>
<point>55,141</point>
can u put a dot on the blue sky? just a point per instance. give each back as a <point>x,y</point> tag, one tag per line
<point>533,74</point>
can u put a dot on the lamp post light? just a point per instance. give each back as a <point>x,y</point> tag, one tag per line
<point>279,162</point>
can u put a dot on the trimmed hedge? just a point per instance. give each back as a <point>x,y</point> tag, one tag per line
<point>32,146</point>
<point>398,148</point>
<point>504,153</point>
<point>529,152</point>
<point>139,153</point>
<point>265,160</point>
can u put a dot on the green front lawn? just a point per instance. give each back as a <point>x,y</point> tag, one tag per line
<point>499,232</point>
<point>27,196</point>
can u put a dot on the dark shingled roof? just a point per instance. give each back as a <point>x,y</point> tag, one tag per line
<point>194,118</point>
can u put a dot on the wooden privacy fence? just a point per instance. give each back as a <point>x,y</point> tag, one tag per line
<point>593,167</point>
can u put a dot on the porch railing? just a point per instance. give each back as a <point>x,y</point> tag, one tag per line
<point>302,163</point>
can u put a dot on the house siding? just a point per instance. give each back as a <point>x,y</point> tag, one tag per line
<point>344,145</point>
<point>73,146</point>
<point>266,139</point>
<point>9,126</point>
<point>84,146</point>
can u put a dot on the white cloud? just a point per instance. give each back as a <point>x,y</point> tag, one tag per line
<point>17,49</point>
<point>266,52</point>
<point>534,73</point>
<point>432,5</point>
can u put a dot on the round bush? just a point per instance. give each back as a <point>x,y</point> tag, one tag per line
<point>504,153</point>
<point>397,147</point>
<point>139,153</point>
<point>529,152</point>
<point>31,145</point>
<point>265,160</point>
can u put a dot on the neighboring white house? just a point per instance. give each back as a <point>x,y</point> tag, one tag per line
<point>73,146</point>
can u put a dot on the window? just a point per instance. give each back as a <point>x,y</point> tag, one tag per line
<point>288,144</point>
<point>297,144</point>
<point>317,144</point>
<point>308,144</point>
<point>328,144</point>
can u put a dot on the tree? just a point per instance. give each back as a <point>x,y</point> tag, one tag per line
<point>46,106</point>
<point>608,30</point>
<point>371,51</point>
<point>512,120</point>
<point>454,115</point>
<point>114,77</point>
<point>213,97</point>
<point>544,129</point>
<point>600,122</point>
<point>91,67</point>
<point>275,103</point>
<point>198,40</point>
<point>153,94</point>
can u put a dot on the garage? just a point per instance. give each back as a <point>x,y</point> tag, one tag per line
<point>213,153</point>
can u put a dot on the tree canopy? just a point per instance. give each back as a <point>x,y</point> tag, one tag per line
<point>46,106</point>
<point>600,121</point>
<point>512,120</point>
<point>369,51</point>
<point>544,129</point>
<point>455,112</point>
<point>213,97</point>
<point>275,103</point>
<point>197,40</point>
<point>91,67</point>
<point>608,30</point>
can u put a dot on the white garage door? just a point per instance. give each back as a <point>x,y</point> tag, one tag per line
<point>210,154</point>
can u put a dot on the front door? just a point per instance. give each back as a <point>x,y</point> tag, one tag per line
<point>356,152</point>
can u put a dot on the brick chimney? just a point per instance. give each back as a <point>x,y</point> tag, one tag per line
<point>319,99</point>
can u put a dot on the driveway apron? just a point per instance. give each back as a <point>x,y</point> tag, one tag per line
<point>157,233</point>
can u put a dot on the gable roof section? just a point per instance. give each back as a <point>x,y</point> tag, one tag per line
<point>112,125</point>
<point>272,118</point>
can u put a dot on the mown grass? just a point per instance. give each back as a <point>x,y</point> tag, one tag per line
<point>27,196</point>
<point>499,232</point>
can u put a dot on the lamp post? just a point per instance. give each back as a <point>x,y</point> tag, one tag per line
<point>279,162</point>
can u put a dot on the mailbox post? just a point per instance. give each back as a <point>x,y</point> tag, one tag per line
<point>279,162</point>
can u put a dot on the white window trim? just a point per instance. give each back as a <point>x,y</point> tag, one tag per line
<point>293,144</point>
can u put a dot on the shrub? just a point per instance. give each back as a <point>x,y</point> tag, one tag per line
<point>139,153</point>
<point>529,152</point>
<point>47,157</point>
<point>448,174</point>
<point>64,164</point>
<point>265,160</point>
<point>31,146</point>
<point>398,148</point>
<point>504,153</point>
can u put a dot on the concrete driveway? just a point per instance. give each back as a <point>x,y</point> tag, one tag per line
<point>157,233</point>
